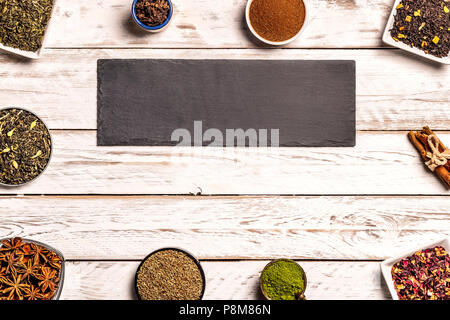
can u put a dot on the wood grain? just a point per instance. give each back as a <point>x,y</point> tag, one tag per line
<point>229,280</point>
<point>109,227</point>
<point>381,163</point>
<point>393,91</point>
<point>107,23</point>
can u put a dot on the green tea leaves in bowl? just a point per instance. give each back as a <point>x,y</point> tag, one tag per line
<point>23,23</point>
<point>25,146</point>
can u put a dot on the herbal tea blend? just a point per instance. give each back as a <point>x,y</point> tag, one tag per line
<point>152,12</point>
<point>169,274</point>
<point>23,23</point>
<point>25,146</point>
<point>423,276</point>
<point>435,154</point>
<point>424,24</point>
<point>277,20</point>
<point>283,280</point>
<point>28,271</point>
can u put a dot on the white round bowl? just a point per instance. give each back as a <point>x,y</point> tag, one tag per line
<point>274,43</point>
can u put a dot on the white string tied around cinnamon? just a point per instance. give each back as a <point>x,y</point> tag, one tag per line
<point>436,157</point>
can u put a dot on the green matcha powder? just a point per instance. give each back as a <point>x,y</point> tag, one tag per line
<point>283,280</point>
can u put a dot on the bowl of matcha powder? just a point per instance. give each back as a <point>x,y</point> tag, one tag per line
<point>283,279</point>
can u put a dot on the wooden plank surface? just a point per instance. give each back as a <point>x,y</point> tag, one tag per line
<point>229,280</point>
<point>127,227</point>
<point>199,24</point>
<point>395,91</point>
<point>62,86</point>
<point>381,163</point>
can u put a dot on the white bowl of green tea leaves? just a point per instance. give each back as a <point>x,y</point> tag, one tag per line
<point>30,270</point>
<point>24,26</point>
<point>25,147</point>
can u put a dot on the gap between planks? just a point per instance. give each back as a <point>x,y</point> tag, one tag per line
<point>212,195</point>
<point>380,104</point>
<point>222,228</point>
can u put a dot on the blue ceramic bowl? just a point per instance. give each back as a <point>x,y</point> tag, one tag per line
<point>155,28</point>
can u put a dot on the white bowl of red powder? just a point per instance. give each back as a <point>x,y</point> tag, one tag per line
<point>276,22</point>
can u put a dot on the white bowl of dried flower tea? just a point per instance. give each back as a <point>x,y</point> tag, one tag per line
<point>406,275</point>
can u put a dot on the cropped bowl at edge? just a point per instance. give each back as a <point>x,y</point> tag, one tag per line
<point>59,253</point>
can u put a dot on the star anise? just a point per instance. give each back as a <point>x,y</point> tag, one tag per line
<point>15,288</point>
<point>34,293</point>
<point>26,248</point>
<point>54,260</point>
<point>38,252</point>
<point>28,269</point>
<point>10,262</point>
<point>48,295</point>
<point>47,279</point>
<point>11,244</point>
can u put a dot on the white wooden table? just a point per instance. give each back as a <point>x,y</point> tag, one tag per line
<point>338,210</point>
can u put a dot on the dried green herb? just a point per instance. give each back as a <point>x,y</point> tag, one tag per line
<point>25,146</point>
<point>23,23</point>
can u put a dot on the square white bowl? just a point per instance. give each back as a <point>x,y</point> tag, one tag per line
<point>30,54</point>
<point>386,265</point>
<point>388,40</point>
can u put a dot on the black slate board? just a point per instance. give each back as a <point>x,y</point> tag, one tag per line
<point>141,102</point>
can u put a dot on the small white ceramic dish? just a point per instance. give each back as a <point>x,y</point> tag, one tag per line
<point>29,54</point>
<point>387,38</point>
<point>386,265</point>
<point>273,43</point>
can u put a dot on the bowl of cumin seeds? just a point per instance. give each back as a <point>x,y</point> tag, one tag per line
<point>170,274</point>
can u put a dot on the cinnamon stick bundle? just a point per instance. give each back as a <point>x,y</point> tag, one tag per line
<point>421,140</point>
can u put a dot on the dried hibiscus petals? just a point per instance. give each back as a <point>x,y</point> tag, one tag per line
<point>28,271</point>
<point>423,276</point>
